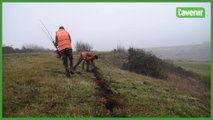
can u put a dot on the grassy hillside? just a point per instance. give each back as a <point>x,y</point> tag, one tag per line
<point>34,85</point>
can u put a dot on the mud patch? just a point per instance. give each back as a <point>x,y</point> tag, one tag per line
<point>109,103</point>
<point>78,72</point>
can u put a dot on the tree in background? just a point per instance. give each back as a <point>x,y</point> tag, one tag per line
<point>121,49</point>
<point>32,47</point>
<point>81,46</point>
<point>28,48</point>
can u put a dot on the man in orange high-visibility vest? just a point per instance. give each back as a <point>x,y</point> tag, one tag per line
<point>63,43</point>
<point>88,57</point>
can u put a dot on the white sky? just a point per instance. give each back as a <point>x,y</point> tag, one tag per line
<point>105,25</point>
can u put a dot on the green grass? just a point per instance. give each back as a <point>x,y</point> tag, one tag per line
<point>149,97</point>
<point>202,68</point>
<point>34,85</point>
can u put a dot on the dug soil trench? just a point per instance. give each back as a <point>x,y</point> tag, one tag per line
<point>109,103</point>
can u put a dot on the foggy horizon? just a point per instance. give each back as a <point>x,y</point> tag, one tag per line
<point>105,25</point>
<point>40,46</point>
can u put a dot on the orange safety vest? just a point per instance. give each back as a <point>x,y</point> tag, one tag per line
<point>64,41</point>
<point>88,57</point>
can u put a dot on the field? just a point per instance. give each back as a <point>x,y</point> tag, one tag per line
<point>34,85</point>
<point>202,68</point>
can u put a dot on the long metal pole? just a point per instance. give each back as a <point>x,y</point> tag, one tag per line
<point>48,33</point>
<point>45,33</point>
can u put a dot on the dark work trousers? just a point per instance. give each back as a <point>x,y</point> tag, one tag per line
<point>87,62</point>
<point>67,54</point>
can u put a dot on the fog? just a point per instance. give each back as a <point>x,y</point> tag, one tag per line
<point>105,25</point>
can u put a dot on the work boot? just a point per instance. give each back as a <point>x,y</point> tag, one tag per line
<point>68,74</point>
<point>71,71</point>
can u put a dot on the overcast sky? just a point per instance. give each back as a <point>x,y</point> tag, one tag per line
<point>105,25</point>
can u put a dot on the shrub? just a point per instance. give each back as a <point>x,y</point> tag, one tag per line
<point>142,62</point>
<point>8,49</point>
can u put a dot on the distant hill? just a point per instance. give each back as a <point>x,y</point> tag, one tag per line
<point>200,52</point>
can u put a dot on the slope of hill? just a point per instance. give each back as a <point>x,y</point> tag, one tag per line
<point>34,85</point>
<point>200,52</point>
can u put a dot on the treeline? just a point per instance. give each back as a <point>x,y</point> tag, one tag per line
<point>82,46</point>
<point>120,49</point>
<point>29,48</point>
